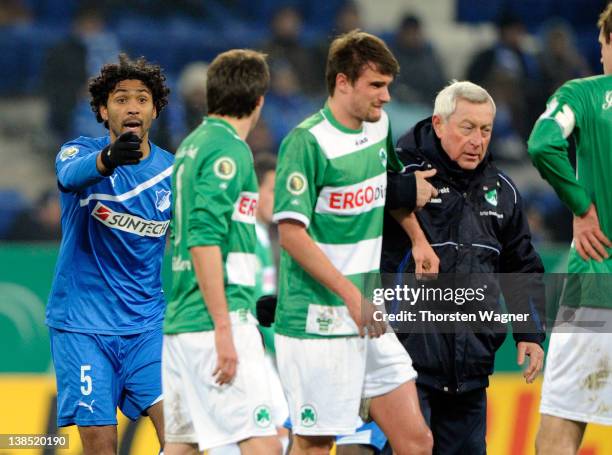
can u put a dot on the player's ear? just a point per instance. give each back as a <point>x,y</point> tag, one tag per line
<point>438,125</point>
<point>103,112</point>
<point>342,82</point>
<point>154,112</point>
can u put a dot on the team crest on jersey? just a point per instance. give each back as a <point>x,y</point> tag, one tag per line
<point>162,200</point>
<point>325,323</point>
<point>608,104</point>
<point>491,197</point>
<point>382,154</point>
<point>225,168</point>
<point>296,183</point>
<point>308,415</point>
<point>262,416</point>
<point>69,152</point>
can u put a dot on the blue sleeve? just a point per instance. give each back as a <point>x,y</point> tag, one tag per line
<point>75,165</point>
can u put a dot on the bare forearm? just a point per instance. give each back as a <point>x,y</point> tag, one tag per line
<point>409,223</point>
<point>208,265</point>
<point>295,240</point>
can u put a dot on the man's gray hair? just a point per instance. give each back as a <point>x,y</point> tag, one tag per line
<point>446,101</point>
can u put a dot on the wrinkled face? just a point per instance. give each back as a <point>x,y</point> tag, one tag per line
<point>606,52</point>
<point>465,136</point>
<point>129,108</point>
<point>265,205</point>
<point>368,94</point>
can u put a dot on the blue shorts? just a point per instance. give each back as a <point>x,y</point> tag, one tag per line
<point>368,434</point>
<point>95,374</point>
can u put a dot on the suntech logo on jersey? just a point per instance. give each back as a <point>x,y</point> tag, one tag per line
<point>129,223</point>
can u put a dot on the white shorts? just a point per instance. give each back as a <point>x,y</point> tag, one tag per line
<point>578,374</point>
<point>326,378</point>
<point>280,409</point>
<point>196,409</point>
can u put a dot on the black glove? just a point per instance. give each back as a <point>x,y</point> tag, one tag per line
<point>125,150</point>
<point>265,309</point>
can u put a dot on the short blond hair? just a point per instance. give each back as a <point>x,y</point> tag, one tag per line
<point>605,22</point>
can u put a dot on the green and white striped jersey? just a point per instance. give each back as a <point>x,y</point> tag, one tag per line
<point>214,200</point>
<point>581,109</point>
<point>265,278</point>
<point>265,273</point>
<point>332,179</point>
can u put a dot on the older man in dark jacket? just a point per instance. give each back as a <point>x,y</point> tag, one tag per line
<point>474,229</point>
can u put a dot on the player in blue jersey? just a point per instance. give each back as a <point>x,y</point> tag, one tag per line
<point>106,305</point>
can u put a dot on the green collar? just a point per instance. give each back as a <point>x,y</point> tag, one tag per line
<point>327,113</point>
<point>223,123</point>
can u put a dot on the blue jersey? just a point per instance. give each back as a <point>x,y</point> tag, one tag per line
<point>108,274</point>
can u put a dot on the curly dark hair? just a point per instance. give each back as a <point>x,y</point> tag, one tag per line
<point>111,74</point>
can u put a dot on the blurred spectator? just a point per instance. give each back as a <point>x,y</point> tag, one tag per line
<point>14,12</point>
<point>192,89</point>
<point>559,58</point>
<point>39,223</point>
<point>508,58</point>
<point>260,140</point>
<point>284,44</point>
<point>82,123</point>
<point>507,53</point>
<point>549,220</point>
<point>511,76</point>
<point>421,74</point>
<point>285,105</point>
<point>186,109</point>
<point>69,64</point>
<point>160,9</point>
<point>539,231</point>
<point>348,18</point>
<point>508,143</point>
<point>12,204</point>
